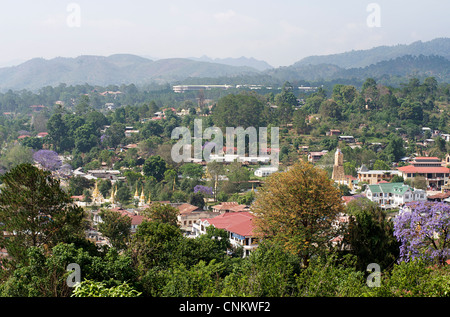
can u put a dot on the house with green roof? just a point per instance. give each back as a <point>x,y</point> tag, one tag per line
<point>393,195</point>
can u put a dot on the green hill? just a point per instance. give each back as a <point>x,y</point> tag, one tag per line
<point>115,69</point>
<point>364,58</point>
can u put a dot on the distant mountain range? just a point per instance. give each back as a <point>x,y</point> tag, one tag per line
<point>239,62</point>
<point>115,69</point>
<point>389,64</point>
<point>364,58</point>
<point>389,72</point>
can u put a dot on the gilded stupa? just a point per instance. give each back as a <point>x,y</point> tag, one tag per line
<point>97,197</point>
<point>142,198</point>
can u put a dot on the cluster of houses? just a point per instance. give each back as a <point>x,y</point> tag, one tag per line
<point>234,218</point>
<point>379,187</point>
<point>237,219</point>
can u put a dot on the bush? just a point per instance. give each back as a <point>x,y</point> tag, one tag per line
<point>89,288</point>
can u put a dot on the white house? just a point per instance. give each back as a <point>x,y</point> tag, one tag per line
<point>238,225</point>
<point>393,195</point>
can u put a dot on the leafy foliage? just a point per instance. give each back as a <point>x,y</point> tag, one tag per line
<point>297,208</point>
<point>89,288</point>
<point>37,210</point>
<point>423,231</point>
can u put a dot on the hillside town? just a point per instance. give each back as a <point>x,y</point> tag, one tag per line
<point>145,187</point>
<point>379,186</point>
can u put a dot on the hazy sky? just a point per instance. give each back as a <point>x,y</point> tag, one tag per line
<point>280,32</point>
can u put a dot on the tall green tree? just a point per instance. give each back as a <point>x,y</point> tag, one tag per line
<point>116,227</point>
<point>297,209</point>
<point>164,213</point>
<point>114,134</point>
<point>155,166</point>
<point>85,138</point>
<point>57,130</point>
<point>36,211</point>
<point>17,154</point>
<point>251,110</point>
<point>370,234</point>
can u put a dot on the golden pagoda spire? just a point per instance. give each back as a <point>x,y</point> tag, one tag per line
<point>136,193</point>
<point>142,198</point>
<point>97,196</point>
<point>112,198</point>
<point>96,192</point>
<point>142,194</point>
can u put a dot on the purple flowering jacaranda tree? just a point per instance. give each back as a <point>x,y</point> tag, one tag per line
<point>48,159</point>
<point>422,228</point>
<point>203,189</point>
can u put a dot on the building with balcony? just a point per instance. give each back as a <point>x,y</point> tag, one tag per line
<point>393,195</point>
<point>314,157</point>
<point>238,225</point>
<point>373,177</point>
<point>432,169</point>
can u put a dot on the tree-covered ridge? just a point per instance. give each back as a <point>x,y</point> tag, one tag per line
<point>389,71</point>
<point>389,65</point>
<point>111,70</point>
<point>364,58</point>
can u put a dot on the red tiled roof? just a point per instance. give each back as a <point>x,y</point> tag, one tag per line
<point>347,199</point>
<point>317,153</point>
<point>426,158</point>
<point>237,222</point>
<point>187,208</point>
<point>135,218</point>
<point>420,169</point>
<point>230,205</point>
<point>439,196</point>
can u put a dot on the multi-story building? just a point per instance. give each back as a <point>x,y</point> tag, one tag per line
<point>432,169</point>
<point>393,195</point>
<point>314,157</point>
<point>373,177</point>
<point>239,226</point>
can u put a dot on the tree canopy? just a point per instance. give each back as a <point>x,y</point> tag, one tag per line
<point>298,209</point>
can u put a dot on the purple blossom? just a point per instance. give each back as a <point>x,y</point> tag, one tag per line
<point>423,228</point>
<point>48,159</point>
<point>203,189</point>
